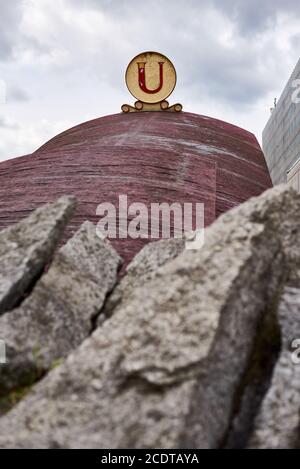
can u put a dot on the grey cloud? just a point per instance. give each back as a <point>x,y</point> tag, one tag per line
<point>92,61</point>
<point>238,76</point>
<point>250,16</point>
<point>16,93</point>
<point>7,124</point>
<point>253,16</point>
<point>10,15</point>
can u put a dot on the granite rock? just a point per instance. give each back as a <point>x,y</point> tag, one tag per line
<point>142,269</point>
<point>25,249</point>
<point>167,369</point>
<point>60,312</point>
<point>278,421</point>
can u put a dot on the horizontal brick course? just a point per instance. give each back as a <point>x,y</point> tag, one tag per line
<point>151,157</point>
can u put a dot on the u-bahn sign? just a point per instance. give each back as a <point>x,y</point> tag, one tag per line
<point>151,77</point>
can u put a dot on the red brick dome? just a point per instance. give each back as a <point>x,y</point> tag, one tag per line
<point>151,157</point>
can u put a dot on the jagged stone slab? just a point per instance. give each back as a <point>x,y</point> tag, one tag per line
<point>256,380</point>
<point>278,422</point>
<point>59,313</point>
<point>142,269</point>
<point>166,369</point>
<point>27,247</point>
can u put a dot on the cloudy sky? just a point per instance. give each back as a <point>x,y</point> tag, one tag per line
<point>62,62</point>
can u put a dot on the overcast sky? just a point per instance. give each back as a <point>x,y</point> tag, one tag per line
<point>63,61</point>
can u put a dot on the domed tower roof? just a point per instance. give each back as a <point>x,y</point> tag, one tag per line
<point>150,157</point>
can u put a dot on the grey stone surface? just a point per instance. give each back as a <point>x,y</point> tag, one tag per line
<point>278,422</point>
<point>27,247</point>
<point>142,269</point>
<point>59,313</point>
<point>167,368</point>
<point>256,380</point>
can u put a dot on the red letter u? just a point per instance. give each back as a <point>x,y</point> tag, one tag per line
<point>142,78</point>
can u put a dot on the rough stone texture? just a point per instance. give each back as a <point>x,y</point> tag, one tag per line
<point>142,269</point>
<point>167,369</point>
<point>278,422</point>
<point>59,313</point>
<point>256,380</point>
<point>152,157</point>
<point>27,247</point>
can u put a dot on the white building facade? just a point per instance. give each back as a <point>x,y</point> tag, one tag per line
<point>281,136</point>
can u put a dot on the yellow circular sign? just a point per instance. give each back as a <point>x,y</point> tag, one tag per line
<point>150,77</point>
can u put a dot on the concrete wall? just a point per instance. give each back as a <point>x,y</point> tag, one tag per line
<point>281,136</point>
